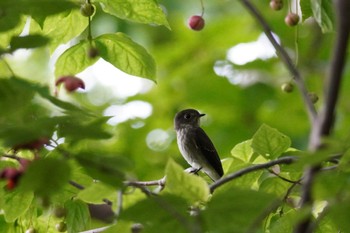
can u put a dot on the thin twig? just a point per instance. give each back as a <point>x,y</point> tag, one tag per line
<point>283,178</point>
<point>281,52</point>
<point>11,157</point>
<point>160,182</point>
<point>239,173</point>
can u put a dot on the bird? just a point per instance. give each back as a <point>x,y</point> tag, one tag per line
<point>195,145</point>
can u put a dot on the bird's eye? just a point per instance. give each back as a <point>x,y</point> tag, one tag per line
<point>187,116</point>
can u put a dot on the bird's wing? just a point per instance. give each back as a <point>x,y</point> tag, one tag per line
<point>207,148</point>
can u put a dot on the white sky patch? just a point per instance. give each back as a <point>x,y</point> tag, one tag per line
<point>122,84</point>
<point>247,52</point>
<point>131,110</point>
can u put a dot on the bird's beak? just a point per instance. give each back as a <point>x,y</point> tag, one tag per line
<point>200,115</point>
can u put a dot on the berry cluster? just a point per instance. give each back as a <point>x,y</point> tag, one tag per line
<point>292,19</point>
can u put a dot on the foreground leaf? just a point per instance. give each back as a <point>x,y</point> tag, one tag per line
<point>164,214</point>
<point>16,203</point>
<point>126,55</point>
<point>269,142</point>
<point>78,217</point>
<point>46,176</point>
<point>243,206</point>
<point>188,186</point>
<point>141,11</point>
<point>74,60</point>
<point>323,14</point>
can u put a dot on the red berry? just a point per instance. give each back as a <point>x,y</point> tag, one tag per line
<point>276,5</point>
<point>196,22</point>
<point>291,19</point>
<point>11,184</point>
<point>71,83</point>
<point>9,173</point>
<point>12,176</point>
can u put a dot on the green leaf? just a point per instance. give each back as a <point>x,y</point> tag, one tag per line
<point>80,127</point>
<point>243,206</point>
<point>74,60</point>
<point>126,55</point>
<point>269,142</point>
<point>243,151</point>
<point>28,42</point>
<point>16,203</point>
<point>107,168</point>
<point>66,25</point>
<point>46,176</point>
<point>165,213</point>
<point>323,13</point>
<point>38,9</point>
<point>274,185</point>
<point>141,11</point>
<point>306,10</point>
<point>188,186</point>
<point>15,133</point>
<point>96,193</point>
<point>78,216</point>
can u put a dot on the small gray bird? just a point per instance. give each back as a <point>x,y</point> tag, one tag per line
<point>195,146</point>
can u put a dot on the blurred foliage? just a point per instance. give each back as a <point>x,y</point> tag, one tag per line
<point>78,159</point>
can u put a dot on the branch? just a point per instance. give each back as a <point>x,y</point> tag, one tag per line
<point>160,182</point>
<point>324,123</point>
<point>281,52</point>
<point>239,173</point>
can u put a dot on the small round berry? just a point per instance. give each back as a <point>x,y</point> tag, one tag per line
<point>59,212</point>
<point>87,9</point>
<point>196,22</point>
<point>61,227</point>
<point>287,87</point>
<point>92,52</point>
<point>313,97</point>
<point>276,5</point>
<point>291,19</point>
<point>71,83</point>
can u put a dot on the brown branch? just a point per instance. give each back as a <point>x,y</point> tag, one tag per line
<point>239,173</point>
<point>323,124</point>
<point>281,52</point>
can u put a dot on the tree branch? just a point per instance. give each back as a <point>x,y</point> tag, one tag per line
<point>281,52</point>
<point>324,122</point>
<point>239,173</point>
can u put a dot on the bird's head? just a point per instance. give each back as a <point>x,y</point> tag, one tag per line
<point>187,118</point>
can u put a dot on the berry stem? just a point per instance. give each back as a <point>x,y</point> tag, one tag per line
<point>202,5</point>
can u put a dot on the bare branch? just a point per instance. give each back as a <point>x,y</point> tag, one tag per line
<point>239,173</point>
<point>324,123</point>
<point>160,182</point>
<point>281,52</point>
